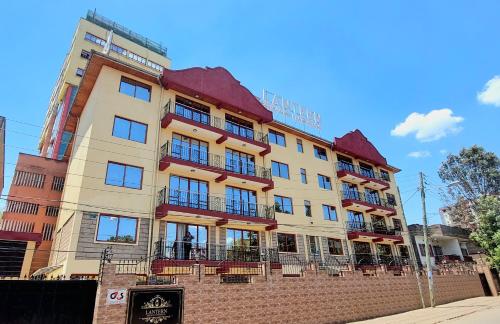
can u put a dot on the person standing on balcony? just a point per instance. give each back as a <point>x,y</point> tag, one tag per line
<point>187,244</point>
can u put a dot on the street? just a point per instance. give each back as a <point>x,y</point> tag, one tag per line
<point>483,310</point>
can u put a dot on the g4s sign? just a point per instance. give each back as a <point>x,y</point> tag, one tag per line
<point>116,296</point>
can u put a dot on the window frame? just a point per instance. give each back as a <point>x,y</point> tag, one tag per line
<point>282,204</point>
<point>280,164</point>
<point>316,152</point>
<point>330,208</point>
<point>307,208</point>
<point>276,134</point>
<point>124,175</point>
<point>129,129</point>
<point>117,229</point>
<point>300,146</point>
<point>330,248</point>
<point>136,84</point>
<point>303,176</point>
<point>324,177</point>
<point>287,235</point>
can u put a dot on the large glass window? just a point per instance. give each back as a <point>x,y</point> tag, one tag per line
<point>130,130</point>
<point>385,175</point>
<point>350,191</point>
<point>329,213</point>
<point>283,204</point>
<point>185,241</point>
<point>123,175</point>
<point>135,89</point>
<point>241,238</point>
<point>241,201</point>
<point>239,127</point>
<point>240,162</point>
<point>320,153</point>
<point>118,229</point>
<point>366,170</point>
<point>391,199</point>
<point>277,138</point>
<point>280,170</point>
<point>188,192</point>
<point>345,163</point>
<point>324,182</point>
<point>372,196</point>
<point>189,149</point>
<point>335,246</point>
<point>356,220</point>
<point>287,243</point>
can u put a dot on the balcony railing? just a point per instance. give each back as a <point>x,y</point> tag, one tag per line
<point>369,173</point>
<point>371,228</point>
<point>203,157</point>
<point>364,259</point>
<point>447,258</point>
<point>360,196</point>
<point>204,118</point>
<point>204,201</point>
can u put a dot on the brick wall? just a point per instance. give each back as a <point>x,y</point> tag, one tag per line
<point>312,298</point>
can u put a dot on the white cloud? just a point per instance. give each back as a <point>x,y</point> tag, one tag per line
<point>491,92</point>
<point>419,154</point>
<point>443,151</point>
<point>429,127</point>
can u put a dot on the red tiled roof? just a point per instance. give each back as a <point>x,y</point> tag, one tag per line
<point>357,145</point>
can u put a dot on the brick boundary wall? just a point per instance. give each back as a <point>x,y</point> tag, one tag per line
<point>315,297</point>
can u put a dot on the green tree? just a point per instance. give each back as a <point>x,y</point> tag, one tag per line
<point>487,232</point>
<point>470,175</point>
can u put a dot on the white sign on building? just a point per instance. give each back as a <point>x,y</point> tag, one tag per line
<point>116,296</point>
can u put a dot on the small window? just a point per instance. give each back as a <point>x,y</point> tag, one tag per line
<point>277,138</point>
<point>280,170</point>
<point>300,147</point>
<point>397,224</point>
<point>385,175</point>
<point>329,213</point>
<point>320,153</point>
<point>303,176</point>
<point>335,246</point>
<point>287,243</point>
<point>79,72</point>
<point>52,211</point>
<point>58,183</point>
<point>118,229</point>
<point>283,205</point>
<point>130,130</point>
<point>307,208</point>
<point>123,175</point>
<point>324,182</point>
<point>85,54</point>
<point>391,199</point>
<point>135,89</point>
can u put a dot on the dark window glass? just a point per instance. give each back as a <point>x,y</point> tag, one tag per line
<point>85,54</point>
<point>372,196</point>
<point>397,224</point>
<point>366,170</point>
<point>117,229</point>
<point>241,238</point>
<point>79,72</point>
<point>303,176</point>
<point>283,204</point>
<point>307,208</point>
<point>385,175</point>
<point>324,182</point>
<point>313,245</point>
<point>123,175</point>
<point>329,213</point>
<point>130,130</point>
<point>277,138</point>
<point>286,243</point>
<point>300,147</point>
<point>320,153</point>
<point>280,169</point>
<point>335,246</point>
<point>391,199</point>
<point>135,89</point>
<point>239,126</point>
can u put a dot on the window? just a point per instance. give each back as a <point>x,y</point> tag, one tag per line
<point>241,238</point>
<point>135,89</point>
<point>240,162</point>
<point>130,130</point>
<point>192,110</point>
<point>188,192</point>
<point>123,175</point>
<point>29,179</point>
<point>85,54</point>
<point>47,231</point>
<point>391,199</point>
<point>335,246</point>
<point>324,182</point>
<point>280,169</point>
<point>241,201</point>
<point>397,224</point>
<point>303,176</point>
<point>356,220</point>
<point>300,147</point>
<point>320,153</point>
<point>372,196</point>
<point>189,149</point>
<point>307,208</point>
<point>79,72</point>
<point>277,138</point>
<point>94,39</point>
<point>283,205</point>
<point>385,175</point>
<point>136,57</point>
<point>366,170</point>
<point>58,183</point>
<point>239,126</point>
<point>118,229</point>
<point>52,211</point>
<point>313,245</point>
<point>329,213</point>
<point>22,207</point>
<point>345,164</point>
<point>118,49</point>
<point>422,250</point>
<point>287,243</point>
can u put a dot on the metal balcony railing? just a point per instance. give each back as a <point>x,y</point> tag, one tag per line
<point>204,201</point>
<point>371,228</point>
<point>363,259</point>
<point>203,157</point>
<point>369,173</point>
<point>204,118</point>
<point>371,199</point>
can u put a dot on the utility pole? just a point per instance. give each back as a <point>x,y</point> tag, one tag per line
<point>426,241</point>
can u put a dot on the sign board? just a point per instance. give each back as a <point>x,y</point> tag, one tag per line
<point>116,296</point>
<point>158,306</point>
<point>290,109</point>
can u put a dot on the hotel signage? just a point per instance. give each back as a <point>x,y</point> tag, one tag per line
<point>156,306</point>
<point>290,109</point>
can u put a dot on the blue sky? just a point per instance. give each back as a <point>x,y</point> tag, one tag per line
<point>366,65</point>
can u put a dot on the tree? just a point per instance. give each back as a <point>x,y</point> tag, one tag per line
<point>470,175</point>
<point>487,233</point>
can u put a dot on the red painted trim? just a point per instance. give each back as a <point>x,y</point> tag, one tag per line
<point>373,207</point>
<point>21,236</point>
<point>378,239</point>
<point>272,227</point>
<point>270,187</point>
<point>221,178</point>
<point>344,173</point>
<point>355,234</point>
<point>266,151</point>
<point>221,139</point>
<point>221,222</point>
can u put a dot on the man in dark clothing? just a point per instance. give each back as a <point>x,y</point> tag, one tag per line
<point>187,244</point>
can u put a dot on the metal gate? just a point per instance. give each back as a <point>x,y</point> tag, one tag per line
<point>47,301</point>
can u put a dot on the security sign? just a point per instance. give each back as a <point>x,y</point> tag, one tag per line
<point>116,296</point>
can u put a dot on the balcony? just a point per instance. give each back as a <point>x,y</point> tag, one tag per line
<point>364,261</point>
<point>369,204</point>
<point>214,167</point>
<point>358,175</point>
<point>373,232</point>
<point>218,210</point>
<point>190,120</point>
<point>16,230</point>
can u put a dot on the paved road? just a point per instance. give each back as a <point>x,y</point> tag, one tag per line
<point>480,310</point>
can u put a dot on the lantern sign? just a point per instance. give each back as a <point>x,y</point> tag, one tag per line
<point>290,109</point>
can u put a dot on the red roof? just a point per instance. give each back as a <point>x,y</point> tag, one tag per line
<point>218,87</point>
<point>357,145</point>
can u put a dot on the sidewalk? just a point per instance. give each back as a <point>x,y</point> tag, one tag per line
<point>480,310</point>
